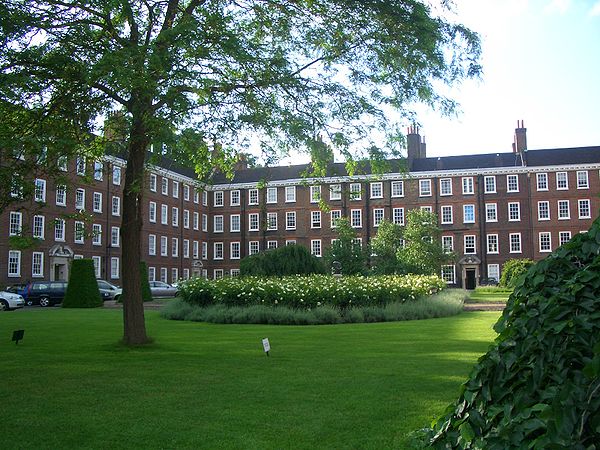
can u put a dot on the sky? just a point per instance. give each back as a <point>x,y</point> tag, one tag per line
<point>541,64</point>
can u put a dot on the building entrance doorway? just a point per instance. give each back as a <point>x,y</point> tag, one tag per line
<point>60,261</point>
<point>470,279</point>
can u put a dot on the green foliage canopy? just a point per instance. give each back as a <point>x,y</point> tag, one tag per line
<point>287,260</point>
<point>513,269</point>
<point>346,250</point>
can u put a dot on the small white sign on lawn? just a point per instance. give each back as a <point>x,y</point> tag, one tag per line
<point>266,345</point>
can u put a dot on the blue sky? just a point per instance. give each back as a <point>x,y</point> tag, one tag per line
<point>541,62</point>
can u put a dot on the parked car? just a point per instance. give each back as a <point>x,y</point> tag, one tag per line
<point>161,289</point>
<point>109,291</point>
<point>10,301</point>
<point>489,282</point>
<point>45,293</point>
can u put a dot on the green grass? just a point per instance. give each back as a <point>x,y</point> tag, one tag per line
<point>489,295</point>
<point>69,384</point>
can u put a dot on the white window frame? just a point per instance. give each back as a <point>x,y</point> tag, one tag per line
<point>175,189</point>
<point>335,191</point>
<point>290,224</point>
<point>271,195</point>
<point>444,209</point>
<point>235,197</point>
<point>39,226</point>
<point>518,211</point>
<point>334,215</point>
<point>378,216</point>
<point>218,224</point>
<point>80,199</point>
<point>235,250</point>
<point>376,189</point>
<point>153,182</point>
<point>398,216</point>
<point>465,208</point>
<point>97,202</point>
<point>561,211</point>
<point>290,194</point>
<point>493,271</point>
<point>514,239</point>
<point>152,245</point>
<point>98,170</point>
<point>315,194</point>
<point>541,181</point>
<point>253,222</point>
<point>175,247</point>
<point>14,260</point>
<point>59,226</point>
<point>164,214</point>
<point>272,221</point>
<point>445,187</point>
<point>96,234</point>
<point>584,215</point>
<point>316,248</point>
<point>489,188</point>
<point>543,237</point>
<point>204,250</point>
<point>175,216</point>
<point>583,181</point>
<point>114,267</point>
<point>355,191</point>
<point>39,265</point>
<point>493,244</point>
<point>315,219</point>
<point>164,186</point>
<point>15,227</point>
<point>253,247</point>
<point>491,208</point>
<point>397,189</point>
<point>562,181</point>
<point>235,223</point>
<point>468,188</point>
<point>356,218</point>
<point>116,206</point>
<point>79,232</point>
<point>115,237</point>
<point>164,246</point>
<point>508,183</point>
<point>61,195</point>
<point>218,199</point>
<point>540,209</point>
<point>448,243</point>
<point>252,197</point>
<point>425,187</point>
<point>474,247</point>
<point>561,237</point>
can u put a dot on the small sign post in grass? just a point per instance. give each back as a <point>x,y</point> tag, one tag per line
<point>17,336</point>
<point>266,345</point>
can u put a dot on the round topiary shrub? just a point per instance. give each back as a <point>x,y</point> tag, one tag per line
<point>539,385</point>
<point>513,269</point>
<point>82,289</point>
<point>288,260</point>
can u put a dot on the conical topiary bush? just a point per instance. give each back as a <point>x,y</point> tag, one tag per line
<point>82,290</point>
<point>539,385</point>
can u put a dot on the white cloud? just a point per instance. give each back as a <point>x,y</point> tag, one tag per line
<point>558,6</point>
<point>595,11</point>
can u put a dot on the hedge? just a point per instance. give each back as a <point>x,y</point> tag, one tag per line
<point>82,289</point>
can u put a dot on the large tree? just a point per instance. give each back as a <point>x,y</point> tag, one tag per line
<point>278,74</point>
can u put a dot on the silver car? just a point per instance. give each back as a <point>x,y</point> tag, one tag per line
<point>109,291</point>
<point>10,301</point>
<point>161,289</point>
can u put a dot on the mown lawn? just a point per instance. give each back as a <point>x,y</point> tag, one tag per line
<point>488,295</point>
<point>69,384</point>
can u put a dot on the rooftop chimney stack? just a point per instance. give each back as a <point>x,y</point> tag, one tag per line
<point>423,153</point>
<point>520,142</point>
<point>413,144</point>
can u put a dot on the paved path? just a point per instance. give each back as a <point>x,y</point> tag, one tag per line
<point>484,306</point>
<point>147,305</point>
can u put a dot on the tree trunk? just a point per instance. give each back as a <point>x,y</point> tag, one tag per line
<point>134,326</point>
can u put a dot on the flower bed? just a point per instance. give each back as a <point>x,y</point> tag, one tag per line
<point>310,292</point>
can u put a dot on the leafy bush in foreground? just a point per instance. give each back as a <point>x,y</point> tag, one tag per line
<point>539,386</point>
<point>512,270</point>
<point>310,292</point>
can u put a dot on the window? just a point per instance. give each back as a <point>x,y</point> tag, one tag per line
<point>80,198</point>
<point>315,219</point>
<point>234,198</point>
<point>218,198</point>
<point>165,186</point>
<point>163,274</point>
<point>449,274</point>
<point>514,211</point>
<point>152,244</point>
<point>196,196</point>
<point>40,190</point>
<point>80,166</point>
<point>153,182</point>
<point>564,237</point>
<point>564,212</point>
<point>377,190</point>
<point>446,186</point>
<point>234,250</point>
<point>96,234</point>
<point>290,242</point>
<point>37,264</point>
<point>271,245</point>
<point>61,195</point>
<point>175,216</point>
<point>448,243</point>
<point>205,250</point>
<point>186,248</point>
<point>175,247</point>
<point>195,250</point>
<point>204,222</point>
<point>492,243</point>
<point>544,210</point>
<point>98,170</point>
<point>116,206</point>
<point>447,214</point>
<point>116,175</point>
<point>234,223</point>
<point>115,233</point>
<point>315,194</point>
<point>355,191</point>
<point>398,216</point>
<point>469,245</point>
<point>582,179</point>
<point>489,183</point>
<point>335,214</point>
<point>426,208</point>
<point>79,233</point>
<point>218,224</point>
<point>186,193</point>
<point>335,192</point>
<point>378,214</point>
<point>164,214</point>
<point>584,209</point>
<point>163,246</point>
<point>218,274</point>
<point>424,188</point>
<point>356,218</point>
<point>272,195</point>
<point>515,242</point>
<point>151,273</point>
<point>186,219</point>
<point>253,247</point>
<point>512,183</point>
<point>234,273</point>
<point>545,242</point>
<point>97,202</point>
<point>493,271</point>
<point>114,268</point>
<point>14,263</point>
<point>62,163</point>
<point>196,221</point>
<point>397,188</point>
<point>271,221</point>
<point>491,212</point>
<point>290,220</point>
<point>59,230</point>
<point>174,274</point>
<point>253,222</point>
<point>290,194</point>
<point>562,181</point>
<point>175,189</point>
<point>15,223</point>
<point>468,213</point>
<point>467,186</point>
<point>542,181</point>
<point>253,197</point>
<point>38,227</point>
<point>315,247</point>
<point>204,198</point>
<point>152,212</point>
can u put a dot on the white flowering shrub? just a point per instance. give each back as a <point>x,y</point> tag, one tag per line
<point>310,291</point>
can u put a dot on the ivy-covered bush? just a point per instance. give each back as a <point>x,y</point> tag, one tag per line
<point>538,387</point>
<point>82,289</point>
<point>309,292</point>
<point>512,270</point>
<point>287,260</point>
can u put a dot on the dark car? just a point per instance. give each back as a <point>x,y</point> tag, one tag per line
<point>45,293</point>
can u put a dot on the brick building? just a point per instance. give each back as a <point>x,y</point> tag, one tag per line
<point>491,207</point>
